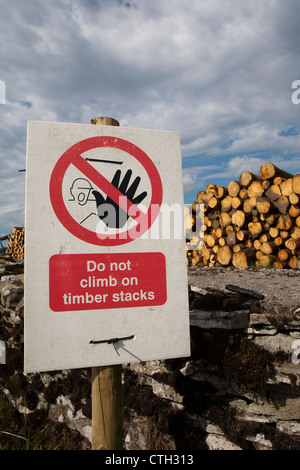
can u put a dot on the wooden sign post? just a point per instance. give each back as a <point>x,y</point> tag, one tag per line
<point>106,389</point>
<point>105,261</point>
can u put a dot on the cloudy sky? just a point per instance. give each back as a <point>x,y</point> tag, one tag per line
<point>218,71</point>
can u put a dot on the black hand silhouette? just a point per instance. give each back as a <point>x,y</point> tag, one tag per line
<point>107,209</point>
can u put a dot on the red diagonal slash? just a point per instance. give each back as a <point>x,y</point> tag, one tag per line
<point>109,189</point>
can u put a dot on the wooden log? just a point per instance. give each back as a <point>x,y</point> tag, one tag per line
<point>242,259</point>
<point>211,240</point>
<point>229,228</point>
<point>269,170</point>
<point>295,232</point>
<point>215,224</point>
<point>282,204</point>
<point>292,243</point>
<point>200,194</point>
<point>264,205</point>
<point>243,194</point>
<point>278,241</point>
<point>238,218</point>
<point>206,198</point>
<point>273,192</point>
<point>269,248</point>
<point>207,221</point>
<point>266,261</point>
<point>284,234</point>
<point>249,204</point>
<point>236,202</point>
<point>210,188</point>
<point>242,235</point>
<point>234,188</point>
<point>15,246</point>
<point>271,219</point>
<point>294,262</point>
<point>222,241</point>
<point>224,255</point>
<point>284,222</point>
<point>265,237</point>
<point>238,247</point>
<point>287,187</point>
<point>281,265</point>
<point>206,252</point>
<point>255,228</point>
<point>225,219</point>
<point>195,261</point>
<point>220,192</point>
<point>194,207</point>
<point>266,184</point>
<point>247,207</point>
<point>257,244</point>
<point>239,260</point>
<point>294,198</point>
<point>283,254</point>
<point>246,178</point>
<point>294,211</point>
<point>231,238</point>
<point>226,204</point>
<point>255,189</point>
<point>219,232</point>
<point>274,232</point>
<point>213,202</point>
<point>296,184</point>
<point>278,180</point>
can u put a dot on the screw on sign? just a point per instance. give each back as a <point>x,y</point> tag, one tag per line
<point>122,193</point>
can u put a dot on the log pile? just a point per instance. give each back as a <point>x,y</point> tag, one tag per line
<point>15,245</point>
<point>255,221</point>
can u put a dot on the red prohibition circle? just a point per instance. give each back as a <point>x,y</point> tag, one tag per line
<point>73,156</point>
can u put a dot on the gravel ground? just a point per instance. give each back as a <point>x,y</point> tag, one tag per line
<point>279,286</point>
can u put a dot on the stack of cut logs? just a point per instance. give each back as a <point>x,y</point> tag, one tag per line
<point>255,221</point>
<point>15,245</point>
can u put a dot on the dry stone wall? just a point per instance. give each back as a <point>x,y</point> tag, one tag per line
<point>238,390</point>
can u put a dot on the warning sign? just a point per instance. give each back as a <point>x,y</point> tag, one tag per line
<point>105,251</point>
<point>103,203</point>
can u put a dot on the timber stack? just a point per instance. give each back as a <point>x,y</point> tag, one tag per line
<point>255,221</point>
<point>15,245</point>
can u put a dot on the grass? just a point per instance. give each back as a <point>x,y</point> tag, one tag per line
<point>35,431</point>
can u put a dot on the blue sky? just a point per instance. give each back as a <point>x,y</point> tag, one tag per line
<point>218,72</point>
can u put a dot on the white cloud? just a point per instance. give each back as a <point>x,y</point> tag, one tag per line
<point>189,182</point>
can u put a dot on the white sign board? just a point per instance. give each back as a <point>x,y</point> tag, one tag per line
<point>105,261</point>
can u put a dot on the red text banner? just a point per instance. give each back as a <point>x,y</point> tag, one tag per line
<point>106,281</point>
